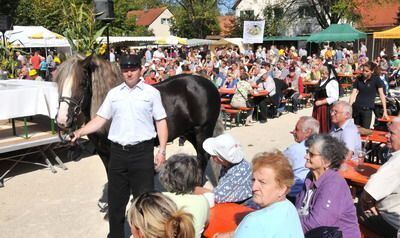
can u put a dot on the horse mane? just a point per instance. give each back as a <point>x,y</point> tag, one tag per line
<point>104,76</point>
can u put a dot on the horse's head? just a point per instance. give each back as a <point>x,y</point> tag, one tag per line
<point>74,86</point>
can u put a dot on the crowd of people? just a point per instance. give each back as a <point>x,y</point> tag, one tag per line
<point>295,193</point>
<point>37,66</point>
<point>284,73</point>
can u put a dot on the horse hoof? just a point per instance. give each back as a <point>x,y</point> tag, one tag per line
<point>103,206</point>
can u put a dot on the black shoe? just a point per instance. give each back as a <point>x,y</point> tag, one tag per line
<point>263,121</point>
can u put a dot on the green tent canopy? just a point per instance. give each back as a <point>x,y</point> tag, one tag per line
<point>337,32</point>
<point>286,38</point>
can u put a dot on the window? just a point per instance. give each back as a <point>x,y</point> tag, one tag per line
<point>306,12</point>
<point>308,28</point>
<point>165,21</point>
<point>247,13</point>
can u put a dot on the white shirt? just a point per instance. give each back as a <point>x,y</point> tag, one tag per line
<point>332,91</point>
<point>268,85</point>
<point>384,187</point>
<point>112,57</point>
<point>132,111</point>
<point>158,54</point>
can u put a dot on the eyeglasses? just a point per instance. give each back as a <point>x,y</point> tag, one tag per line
<point>311,154</point>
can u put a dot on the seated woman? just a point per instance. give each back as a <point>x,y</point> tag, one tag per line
<point>326,199</point>
<point>235,178</point>
<point>241,96</point>
<point>153,215</point>
<point>230,81</point>
<point>345,67</point>
<point>179,176</point>
<point>272,179</point>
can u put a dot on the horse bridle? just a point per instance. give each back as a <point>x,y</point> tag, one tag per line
<point>76,106</point>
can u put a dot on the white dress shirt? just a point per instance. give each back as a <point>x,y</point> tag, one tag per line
<point>132,111</point>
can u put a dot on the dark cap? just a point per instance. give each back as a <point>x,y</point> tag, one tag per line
<point>292,69</point>
<point>130,61</point>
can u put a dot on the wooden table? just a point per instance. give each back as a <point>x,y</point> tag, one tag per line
<point>376,137</point>
<point>391,118</point>
<point>223,91</point>
<point>261,93</point>
<point>355,177</point>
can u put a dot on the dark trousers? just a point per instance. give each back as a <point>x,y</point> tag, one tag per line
<point>264,103</point>
<point>376,224</point>
<point>131,170</point>
<point>362,116</point>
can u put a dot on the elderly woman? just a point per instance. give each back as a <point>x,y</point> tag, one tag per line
<point>326,199</point>
<point>326,93</point>
<point>153,215</point>
<point>243,89</point>
<point>179,176</point>
<point>272,179</point>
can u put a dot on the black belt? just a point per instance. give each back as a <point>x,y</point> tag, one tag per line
<point>364,108</point>
<point>130,147</point>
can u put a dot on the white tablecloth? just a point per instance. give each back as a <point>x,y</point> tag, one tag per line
<point>21,98</point>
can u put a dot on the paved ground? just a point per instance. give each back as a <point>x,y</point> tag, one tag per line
<point>37,203</point>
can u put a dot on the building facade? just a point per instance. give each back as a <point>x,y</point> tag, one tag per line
<point>157,20</point>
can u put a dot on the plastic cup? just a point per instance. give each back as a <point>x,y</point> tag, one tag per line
<point>359,160</point>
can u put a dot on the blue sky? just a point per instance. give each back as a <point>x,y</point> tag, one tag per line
<point>225,9</point>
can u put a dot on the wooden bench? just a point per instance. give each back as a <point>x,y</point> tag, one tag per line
<point>229,114</point>
<point>225,100</point>
<point>304,99</point>
<point>346,87</point>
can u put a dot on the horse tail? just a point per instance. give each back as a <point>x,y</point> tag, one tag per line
<point>219,127</point>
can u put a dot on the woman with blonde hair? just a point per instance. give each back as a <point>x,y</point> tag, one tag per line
<point>153,215</point>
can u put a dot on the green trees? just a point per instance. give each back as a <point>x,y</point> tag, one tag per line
<point>80,27</point>
<point>194,19</point>
<point>332,11</point>
<point>127,26</point>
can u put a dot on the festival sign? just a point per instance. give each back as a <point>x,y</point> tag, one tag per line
<point>253,31</point>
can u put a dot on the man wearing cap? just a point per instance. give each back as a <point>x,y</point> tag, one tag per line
<point>131,107</point>
<point>235,181</point>
<point>33,74</point>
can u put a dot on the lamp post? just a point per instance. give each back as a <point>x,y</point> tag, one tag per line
<point>104,10</point>
<point>5,25</point>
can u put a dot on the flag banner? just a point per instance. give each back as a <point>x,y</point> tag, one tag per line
<point>253,31</point>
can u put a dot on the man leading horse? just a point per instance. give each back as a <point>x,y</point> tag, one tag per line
<point>132,106</point>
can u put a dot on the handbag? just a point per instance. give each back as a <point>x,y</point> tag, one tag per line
<point>249,102</point>
<point>324,232</point>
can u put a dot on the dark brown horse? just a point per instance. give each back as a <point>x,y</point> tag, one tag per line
<point>192,103</point>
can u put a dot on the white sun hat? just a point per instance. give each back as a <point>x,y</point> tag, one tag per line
<point>225,147</point>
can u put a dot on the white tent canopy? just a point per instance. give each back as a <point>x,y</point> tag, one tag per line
<point>35,37</point>
<point>229,41</point>
<point>197,42</point>
<point>118,39</point>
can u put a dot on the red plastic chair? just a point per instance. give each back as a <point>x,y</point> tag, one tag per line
<point>225,217</point>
